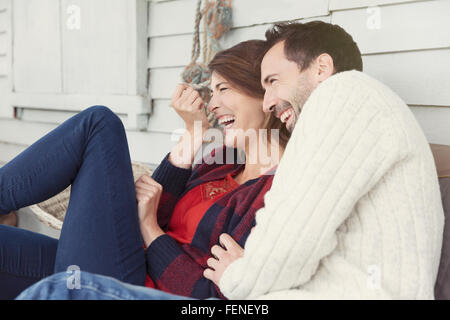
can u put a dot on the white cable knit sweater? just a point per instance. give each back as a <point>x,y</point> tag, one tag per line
<point>355,208</point>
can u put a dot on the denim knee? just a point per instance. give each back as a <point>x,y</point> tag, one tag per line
<point>100,110</point>
<point>103,113</point>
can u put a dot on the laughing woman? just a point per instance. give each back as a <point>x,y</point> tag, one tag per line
<point>157,232</point>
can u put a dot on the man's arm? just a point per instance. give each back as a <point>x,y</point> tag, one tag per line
<point>344,142</point>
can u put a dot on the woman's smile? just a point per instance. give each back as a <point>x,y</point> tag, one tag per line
<point>226,121</point>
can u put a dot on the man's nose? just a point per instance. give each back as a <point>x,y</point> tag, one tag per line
<point>269,102</point>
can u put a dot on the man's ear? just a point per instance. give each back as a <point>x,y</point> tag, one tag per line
<point>325,67</point>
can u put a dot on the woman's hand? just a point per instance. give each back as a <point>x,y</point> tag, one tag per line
<point>190,106</point>
<point>222,258</point>
<point>148,193</point>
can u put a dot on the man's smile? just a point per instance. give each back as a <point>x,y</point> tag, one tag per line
<point>286,115</point>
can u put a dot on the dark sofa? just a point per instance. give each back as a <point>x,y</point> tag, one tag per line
<point>441,155</point>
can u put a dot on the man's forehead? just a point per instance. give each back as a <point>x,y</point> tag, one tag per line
<point>274,61</point>
<point>274,53</point>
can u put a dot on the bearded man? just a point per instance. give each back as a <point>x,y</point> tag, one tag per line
<point>355,210</point>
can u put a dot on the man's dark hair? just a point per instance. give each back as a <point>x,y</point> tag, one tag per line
<point>306,41</point>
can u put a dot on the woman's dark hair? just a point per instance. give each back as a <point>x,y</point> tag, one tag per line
<point>306,41</point>
<point>241,66</point>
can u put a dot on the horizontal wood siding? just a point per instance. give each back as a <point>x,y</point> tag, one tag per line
<point>403,27</point>
<point>410,52</point>
<point>144,146</point>
<point>350,4</point>
<point>405,44</point>
<point>420,77</point>
<point>5,58</point>
<point>39,72</point>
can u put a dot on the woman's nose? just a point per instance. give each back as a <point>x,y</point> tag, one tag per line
<point>212,105</point>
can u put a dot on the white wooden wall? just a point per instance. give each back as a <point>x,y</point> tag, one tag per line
<point>405,44</point>
<point>69,55</point>
<point>5,57</point>
<point>410,51</point>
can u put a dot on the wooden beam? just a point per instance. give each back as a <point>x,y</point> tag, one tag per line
<point>78,102</point>
<point>137,108</point>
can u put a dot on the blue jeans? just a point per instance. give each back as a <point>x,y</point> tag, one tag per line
<point>88,286</point>
<point>101,231</point>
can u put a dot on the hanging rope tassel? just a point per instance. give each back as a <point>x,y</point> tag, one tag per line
<point>217,16</point>
<point>218,21</point>
<point>197,74</point>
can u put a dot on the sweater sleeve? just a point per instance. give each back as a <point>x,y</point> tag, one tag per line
<point>177,272</point>
<point>173,180</point>
<point>345,140</point>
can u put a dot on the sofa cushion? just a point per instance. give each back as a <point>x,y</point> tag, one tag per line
<point>441,155</point>
<point>442,287</point>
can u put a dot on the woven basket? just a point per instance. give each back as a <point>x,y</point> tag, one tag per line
<point>52,211</point>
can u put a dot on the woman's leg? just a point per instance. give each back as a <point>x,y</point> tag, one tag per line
<point>25,258</point>
<point>101,231</point>
<point>87,286</point>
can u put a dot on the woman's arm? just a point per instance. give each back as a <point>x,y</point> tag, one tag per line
<point>176,168</point>
<point>175,271</point>
<point>190,107</point>
<point>173,181</point>
<point>168,263</point>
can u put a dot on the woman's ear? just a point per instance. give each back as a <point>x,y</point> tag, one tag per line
<point>325,67</point>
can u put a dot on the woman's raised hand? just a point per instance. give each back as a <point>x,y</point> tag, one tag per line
<point>189,105</point>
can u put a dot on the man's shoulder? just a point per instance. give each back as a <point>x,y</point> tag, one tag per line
<point>396,117</point>
<point>355,79</point>
<point>361,86</point>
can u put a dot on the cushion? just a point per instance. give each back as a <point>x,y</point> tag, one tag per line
<point>441,155</point>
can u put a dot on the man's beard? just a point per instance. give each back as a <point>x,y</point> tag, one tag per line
<point>301,93</point>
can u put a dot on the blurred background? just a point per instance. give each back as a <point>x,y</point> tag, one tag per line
<point>58,57</point>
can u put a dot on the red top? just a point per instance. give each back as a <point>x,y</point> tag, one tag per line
<point>191,208</point>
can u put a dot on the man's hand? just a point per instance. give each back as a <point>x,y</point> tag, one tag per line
<point>148,193</point>
<point>222,258</point>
